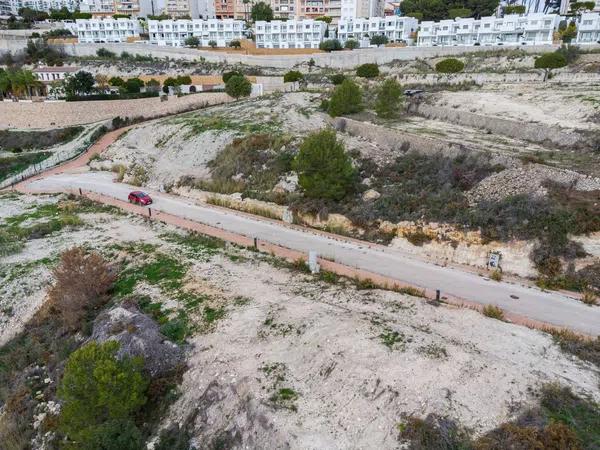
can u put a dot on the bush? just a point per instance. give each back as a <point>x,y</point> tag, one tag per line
<point>337,78</point>
<point>389,99</point>
<point>235,44</point>
<point>324,169</point>
<point>547,61</point>
<point>116,81</point>
<point>82,282</point>
<point>292,76</point>
<point>351,44</point>
<point>346,99</point>
<point>104,53</point>
<point>569,52</point>
<point>493,312</point>
<point>238,86</point>
<point>227,75</point>
<point>450,65</point>
<point>368,70</point>
<point>330,45</point>
<point>192,41</point>
<point>98,391</point>
<point>133,85</point>
<point>379,39</point>
<point>212,44</point>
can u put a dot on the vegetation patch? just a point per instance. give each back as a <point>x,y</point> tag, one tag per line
<point>10,165</point>
<point>17,140</point>
<point>493,312</point>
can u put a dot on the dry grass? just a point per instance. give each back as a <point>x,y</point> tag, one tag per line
<point>589,298</point>
<point>493,312</point>
<point>496,275</point>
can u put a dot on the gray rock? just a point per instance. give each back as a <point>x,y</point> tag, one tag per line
<point>138,335</point>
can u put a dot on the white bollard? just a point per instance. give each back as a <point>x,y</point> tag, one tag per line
<point>313,265</point>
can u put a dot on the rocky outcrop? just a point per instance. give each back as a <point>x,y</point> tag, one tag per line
<point>138,335</point>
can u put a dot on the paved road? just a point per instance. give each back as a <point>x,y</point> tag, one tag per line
<point>550,307</point>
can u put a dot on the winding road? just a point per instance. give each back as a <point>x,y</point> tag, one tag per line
<point>525,301</point>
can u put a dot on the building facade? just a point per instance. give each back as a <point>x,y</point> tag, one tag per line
<point>395,28</point>
<point>12,6</point>
<point>588,29</point>
<point>301,33</point>
<point>174,32</point>
<point>531,29</point>
<point>107,30</point>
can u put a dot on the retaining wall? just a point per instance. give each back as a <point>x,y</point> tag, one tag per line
<point>533,132</point>
<point>480,78</point>
<point>341,60</point>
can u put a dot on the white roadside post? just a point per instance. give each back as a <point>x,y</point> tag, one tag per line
<point>313,265</point>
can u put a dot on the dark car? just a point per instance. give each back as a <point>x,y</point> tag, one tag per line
<point>140,198</point>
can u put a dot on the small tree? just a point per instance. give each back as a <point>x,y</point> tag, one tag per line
<point>351,44</point>
<point>379,39</point>
<point>98,389</point>
<point>368,70</point>
<point>133,85</point>
<point>235,44</point>
<point>450,65</point>
<point>514,9</point>
<point>212,44</point>
<point>568,32</point>
<point>82,284</point>
<point>549,61</point>
<point>324,169</point>
<point>330,45</point>
<point>346,99</point>
<point>453,13</point>
<point>261,11</point>
<point>192,41</point>
<point>238,86</point>
<point>292,76</point>
<point>183,79</point>
<point>80,83</point>
<point>169,82</point>
<point>153,85</point>
<point>389,99</point>
<point>227,75</point>
<point>325,19</point>
<point>116,81</point>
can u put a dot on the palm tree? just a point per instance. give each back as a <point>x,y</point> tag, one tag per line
<point>29,81</point>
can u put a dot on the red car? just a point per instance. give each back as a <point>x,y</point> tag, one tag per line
<point>139,197</point>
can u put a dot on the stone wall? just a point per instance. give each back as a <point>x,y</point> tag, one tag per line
<point>341,60</point>
<point>481,78</point>
<point>533,132</point>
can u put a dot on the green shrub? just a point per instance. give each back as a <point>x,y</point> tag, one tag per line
<point>238,86</point>
<point>351,44</point>
<point>554,60</point>
<point>330,45</point>
<point>293,75</point>
<point>192,41</point>
<point>450,65</point>
<point>337,78</point>
<point>227,75</point>
<point>104,53</point>
<point>346,99</point>
<point>368,70</point>
<point>379,39</point>
<point>98,389</point>
<point>324,169</point>
<point>389,99</point>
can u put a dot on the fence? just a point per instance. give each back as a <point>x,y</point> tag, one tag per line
<point>66,153</point>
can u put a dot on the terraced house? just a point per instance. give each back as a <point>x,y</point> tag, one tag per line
<point>107,30</point>
<point>306,33</point>
<point>588,29</point>
<point>395,28</point>
<point>174,32</point>
<point>532,29</point>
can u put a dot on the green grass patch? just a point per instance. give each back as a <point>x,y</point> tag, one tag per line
<point>11,165</point>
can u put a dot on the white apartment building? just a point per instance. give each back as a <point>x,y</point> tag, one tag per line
<point>351,9</point>
<point>132,7</point>
<point>395,28</point>
<point>296,33</point>
<point>174,32</point>
<point>532,29</point>
<point>588,29</point>
<point>13,6</point>
<point>107,30</point>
